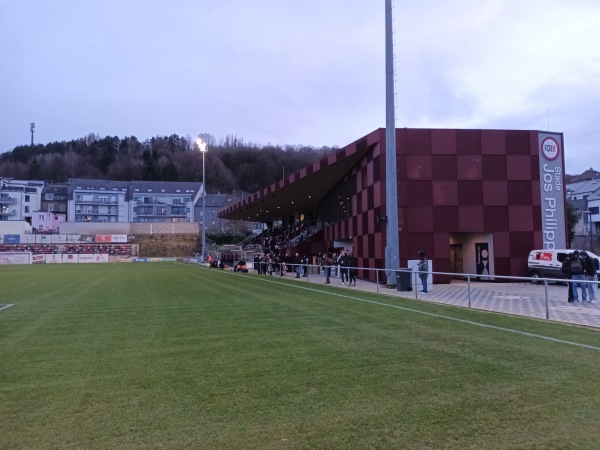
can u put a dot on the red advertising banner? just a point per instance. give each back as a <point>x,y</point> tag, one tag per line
<point>103,238</point>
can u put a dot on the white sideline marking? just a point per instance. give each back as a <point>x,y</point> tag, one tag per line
<point>403,308</point>
<point>6,306</point>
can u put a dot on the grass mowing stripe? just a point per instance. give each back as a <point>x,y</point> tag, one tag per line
<point>164,356</point>
<point>440,316</point>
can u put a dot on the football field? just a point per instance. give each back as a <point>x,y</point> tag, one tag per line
<point>172,355</point>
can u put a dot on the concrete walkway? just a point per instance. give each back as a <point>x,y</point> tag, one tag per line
<point>522,299</point>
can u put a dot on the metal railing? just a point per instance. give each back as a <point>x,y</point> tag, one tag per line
<point>543,298</point>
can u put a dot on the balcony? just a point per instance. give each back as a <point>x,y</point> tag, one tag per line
<point>8,201</point>
<point>149,215</point>
<point>96,202</point>
<point>153,202</point>
<point>96,213</point>
<point>7,213</point>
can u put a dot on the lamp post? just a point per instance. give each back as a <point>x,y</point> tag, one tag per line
<point>586,225</point>
<point>203,150</point>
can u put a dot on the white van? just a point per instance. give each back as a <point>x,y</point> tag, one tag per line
<point>548,263</point>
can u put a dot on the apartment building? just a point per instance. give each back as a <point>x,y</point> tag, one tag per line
<point>19,199</point>
<point>160,201</point>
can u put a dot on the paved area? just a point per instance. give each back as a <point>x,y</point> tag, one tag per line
<point>523,299</point>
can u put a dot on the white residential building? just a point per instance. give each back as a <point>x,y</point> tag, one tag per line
<point>98,201</point>
<point>19,199</point>
<point>161,201</point>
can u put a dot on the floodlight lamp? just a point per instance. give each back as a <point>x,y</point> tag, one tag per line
<point>201,145</point>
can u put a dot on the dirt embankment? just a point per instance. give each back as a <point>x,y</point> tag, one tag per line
<point>167,245</point>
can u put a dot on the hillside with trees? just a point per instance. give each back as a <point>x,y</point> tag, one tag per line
<point>231,163</point>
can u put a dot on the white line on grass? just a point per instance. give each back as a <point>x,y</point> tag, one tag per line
<point>440,316</point>
<point>6,306</point>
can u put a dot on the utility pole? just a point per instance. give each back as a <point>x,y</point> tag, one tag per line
<point>32,129</point>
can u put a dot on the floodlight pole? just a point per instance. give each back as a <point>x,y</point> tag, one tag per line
<point>203,150</point>
<point>392,248</point>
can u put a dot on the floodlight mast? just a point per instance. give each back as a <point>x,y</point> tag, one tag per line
<point>203,150</point>
<point>392,248</point>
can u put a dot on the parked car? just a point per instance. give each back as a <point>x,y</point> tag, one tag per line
<point>548,263</point>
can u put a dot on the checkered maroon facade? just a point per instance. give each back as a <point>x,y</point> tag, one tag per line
<point>449,181</point>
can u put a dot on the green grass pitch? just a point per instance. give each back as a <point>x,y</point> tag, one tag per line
<point>169,355</point>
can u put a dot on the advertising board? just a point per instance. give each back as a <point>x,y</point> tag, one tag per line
<point>53,259</point>
<point>70,258</point>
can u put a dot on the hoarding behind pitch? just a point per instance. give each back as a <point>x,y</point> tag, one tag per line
<point>53,259</point>
<point>95,258</point>
<point>43,239</point>
<point>38,259</point>
<point>15,258</point>
<point>103,258</point>
<point>70,258</point>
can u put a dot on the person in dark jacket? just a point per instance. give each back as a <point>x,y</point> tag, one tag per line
<point>327,263</point>
<point>590,265</point>
<point>297,265</point>
<point>352,264</point>
<point>578,275</point>
<point>566,270</point>
<point>343,263</point>
<point>423,270</point>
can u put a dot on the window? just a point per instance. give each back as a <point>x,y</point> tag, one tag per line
<point>137,199</point>
<point>27,210</point>
<point>49,197</point>
<point>50,207</point>
<point>595,210</point>
<point>27,198</point>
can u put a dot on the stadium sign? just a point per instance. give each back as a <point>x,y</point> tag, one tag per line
<point>552,190</point>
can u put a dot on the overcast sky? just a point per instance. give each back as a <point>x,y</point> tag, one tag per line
<point>308,72</point>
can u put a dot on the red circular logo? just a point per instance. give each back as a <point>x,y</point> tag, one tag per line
<point>549,149</point>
